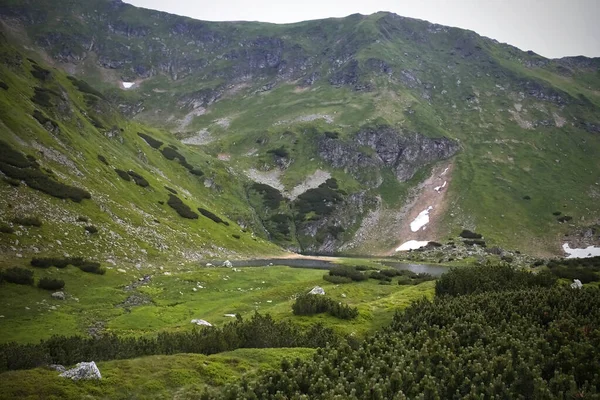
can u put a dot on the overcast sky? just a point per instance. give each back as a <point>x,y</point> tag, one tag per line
<point>552,28</point>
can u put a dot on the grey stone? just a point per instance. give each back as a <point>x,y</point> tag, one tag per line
<point>317,290</point>
<point>58,295</point>
<point>83,370</point>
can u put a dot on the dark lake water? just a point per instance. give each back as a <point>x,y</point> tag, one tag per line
<point>434,270</point>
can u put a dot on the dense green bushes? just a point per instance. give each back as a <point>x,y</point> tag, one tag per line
<point>182,209</point>
<point>311,304</point>
<point>171,153</point>
<point>102,159</point>
<point>154,143</point>
<point>92,267</point>
<point>51,284</point>
<point>271,196</point>
<point>320,200</point>
<point>212,216</point>
<point>528,343</point>
<point>47,262</point>
<point>337,279</point>
<point>171,190</point>
<point>467,234</point>
<point>279,152</point>
<point>348,272</point>
<point>467,280</point>
<point>40,73</point>
<point>85,87</point>
<point>584,269</point>
<point>123,175</point>
<point>91,229</point>
<point>16,166</point>
<point>20,276</point>
<point>138,179</point>
<point>6,229</point>
<point>256,332</point>
<point>27,221</point>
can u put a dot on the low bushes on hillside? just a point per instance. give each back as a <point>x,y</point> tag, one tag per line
<point>6,229</point>
<point>16,166</point>
<point>123,175</point>
<point>212,216</point>
<point>27,221</point>
<point>92,267</point>
<point>182,209</point>
<point>257,332</point>
<point>154,143</point>
<point>102,159</point>
<point>467,234</point>
<point>348,272</point>
<point>171,190</point>
<point>279,152</point>
<point>91,229</point>
<point>40,73</point>
<point>310,304</point>
<point>20,276</point>
<point>51,284</point>
<point>138,179</point>
<point>320,200</point>
<point>3,85</point>
<point>85,87</point>
<point>337,279</point>
<point>468,280</point>
<point>58,262</point>
<point>271,196</point>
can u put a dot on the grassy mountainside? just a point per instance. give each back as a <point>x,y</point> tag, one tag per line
<point>265,98</point>
<point>73,137</point>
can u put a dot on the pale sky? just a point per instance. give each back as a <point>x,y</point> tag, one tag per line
<point>552,28</point>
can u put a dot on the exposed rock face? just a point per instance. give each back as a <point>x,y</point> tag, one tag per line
<point>83,370</point>
<point>404,152</point>
<point>317,290</point>
<point>201,322</point>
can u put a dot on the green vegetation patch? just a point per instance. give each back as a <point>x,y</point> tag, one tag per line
<point>212,216</point>
<point>272,197</point>
<point>27,221</point>
<point>20,276</point>
<point>182,209</point>
<point>154,143</point>
<point>311,304</point>
<point>15,165</point>
<point>51,284</point>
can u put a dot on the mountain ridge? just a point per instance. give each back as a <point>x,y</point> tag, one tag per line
<point>264,97</point>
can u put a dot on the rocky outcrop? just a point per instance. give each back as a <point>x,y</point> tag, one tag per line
<point>404,152</point>
<point>83,370</point>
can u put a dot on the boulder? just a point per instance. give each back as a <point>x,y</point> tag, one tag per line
<point>576,284</point>
<point>57,367</point>
<point>58,295</point>
<point>227,264</point>
<point>83,370</point>
<point>317,290</point>
<point>201,322</point>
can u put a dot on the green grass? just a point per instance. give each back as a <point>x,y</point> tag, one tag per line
<point>181,376</point>
<point>172,303</point>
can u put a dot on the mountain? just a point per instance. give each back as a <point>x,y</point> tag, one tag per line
<point>320,136</point>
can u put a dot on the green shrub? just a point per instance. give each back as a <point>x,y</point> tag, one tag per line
<point>84,87</point>
<point>16,166</point>
<point>337,279</point>
<point>526,197</point>
<point>46,262</point>
<point>279,152</point>
<point>102,159</point>
<point>171,190</point>
<point>332,135</point>
<point>271,196</point>
<point>310,304</point>
<point>81,218</point>
<point>379,276</point>
<point>196,171</point>
<point>282,223</point>
<point>27,221</point>
<point>564,218</point>
<point>124,175</point>
<point>51,284</point>
<point>6,229</point>
<point>236,236</point>
<point>348,272</point>
<point>20,276</point>
<point>91,229</point>
<point>556,213</point>
<point>40,73</point>
<point>212,216</point>
<point>92,267</point>
<point>43,96</point>
<point>43,120</point>
<point>12,182</point>
<point>138,179</point>
<point>3,85</point>
<point>467,234</point>
<point>467,280</point>
<point>182,209</point>
<point>155,144</point>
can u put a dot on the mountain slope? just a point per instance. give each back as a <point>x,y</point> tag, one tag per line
<point>370,102</point>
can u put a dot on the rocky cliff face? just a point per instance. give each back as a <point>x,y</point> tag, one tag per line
<point>403,152</point>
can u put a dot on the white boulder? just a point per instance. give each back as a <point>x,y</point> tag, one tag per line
<point>576,284</point>
<point>317,290</point>
<point>227,264</point>
<point>58,295</point>
<point>83,370</point>
<point>201,322</point>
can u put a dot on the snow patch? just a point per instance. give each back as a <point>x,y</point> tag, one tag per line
<point>127,85</point>
<point>421,220</point>
<point>412,245</point>
<point>439,188</point>
<point>590,251</point>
